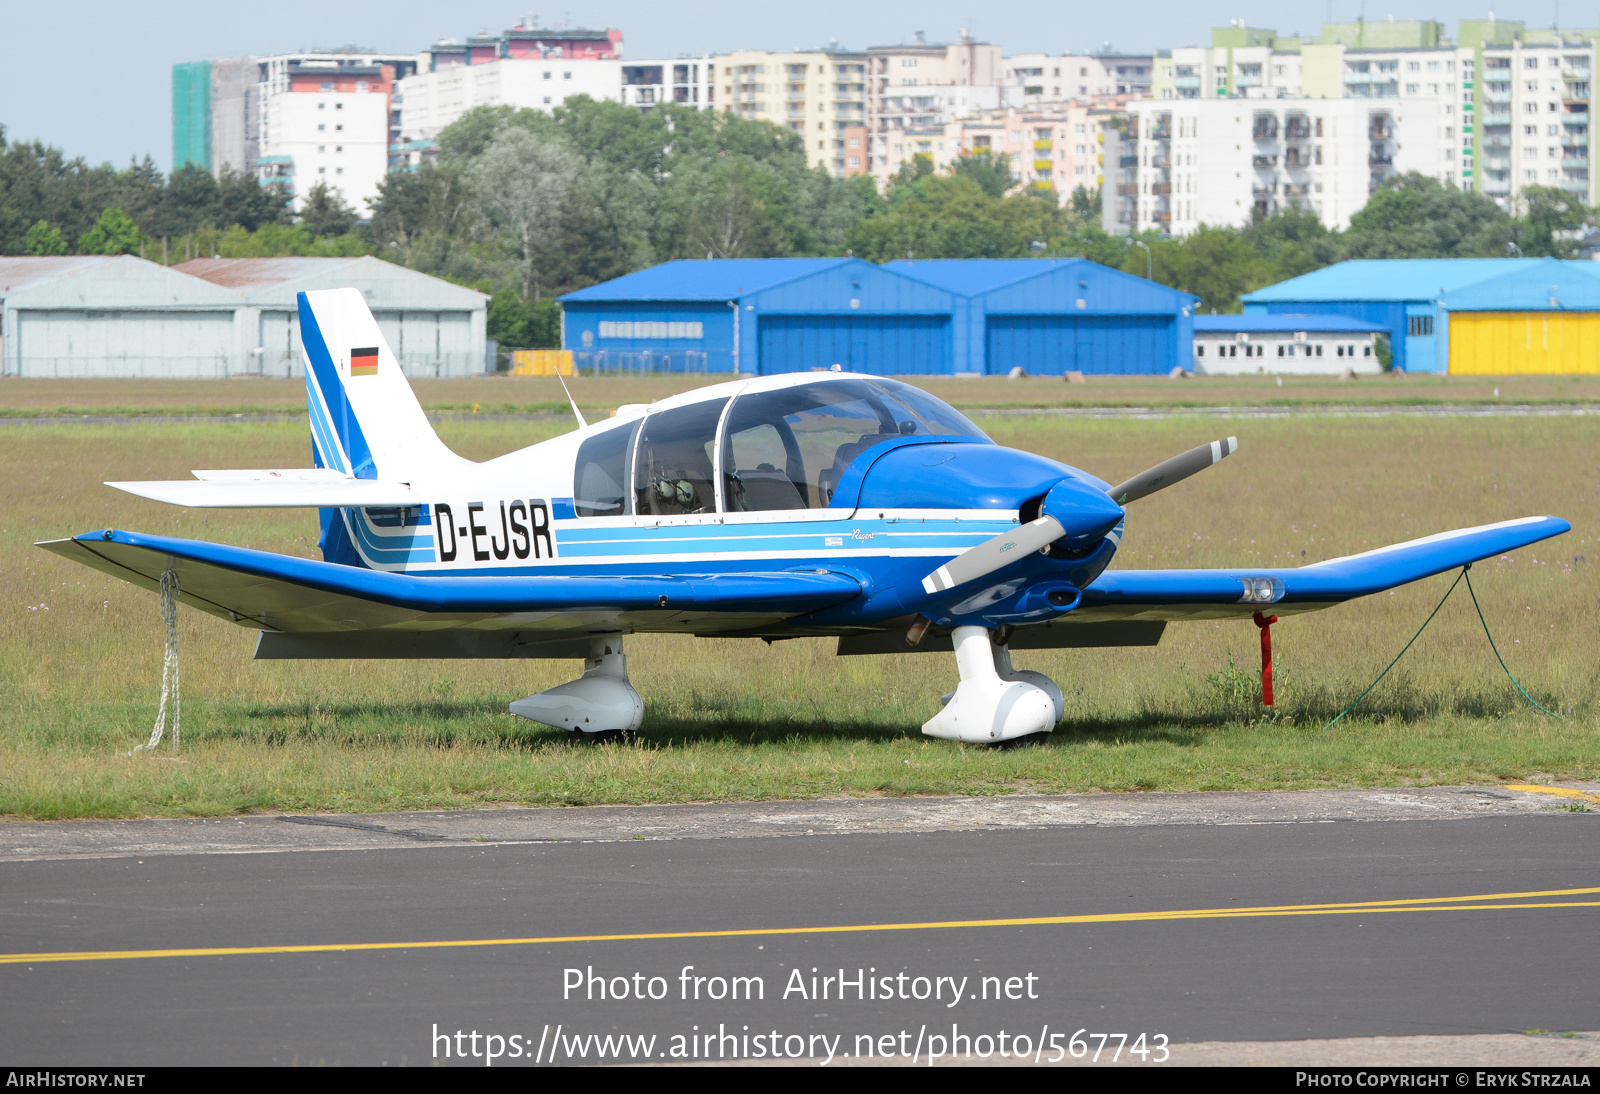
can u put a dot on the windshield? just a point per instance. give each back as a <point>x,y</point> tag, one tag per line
<point>788,449</point>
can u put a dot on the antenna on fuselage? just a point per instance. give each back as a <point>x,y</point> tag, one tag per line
<point>576,413</point>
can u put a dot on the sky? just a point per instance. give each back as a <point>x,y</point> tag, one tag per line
<point>95,78</point>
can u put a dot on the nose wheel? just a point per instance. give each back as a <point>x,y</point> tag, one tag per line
<point>995,702</point>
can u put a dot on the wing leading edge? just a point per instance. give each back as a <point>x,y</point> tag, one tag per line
<point>1222,594</point>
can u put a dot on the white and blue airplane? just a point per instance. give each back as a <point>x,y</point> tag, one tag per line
<point>826,504</point>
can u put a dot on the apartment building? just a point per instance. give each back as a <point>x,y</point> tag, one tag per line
<point>914,86</point>
<point>1220,162</point>
<point>1241,62</point>
<point>1032,79</point>
<point>1533,117</point>
<point>328,118</point>
<point>1511,104</point>
<point>820,94</point>
<point>686,81</point>
<point>295,119</point>
<point>1051,150</point>
<point>530,67</point>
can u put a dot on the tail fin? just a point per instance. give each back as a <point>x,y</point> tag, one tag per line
<point>365,419</point>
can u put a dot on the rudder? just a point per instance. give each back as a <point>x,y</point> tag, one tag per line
<point>365,419</point>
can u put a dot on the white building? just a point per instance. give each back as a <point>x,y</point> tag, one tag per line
<point>327,117</point>
<point>920,84</point>
<point>1233,345</point>
<point>1533,114</point>
<point>1221,161</point>
<point>429,101</point>
<point>1031,79</point>
<point>686,81</point>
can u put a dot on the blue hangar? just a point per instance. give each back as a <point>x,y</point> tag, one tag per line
<point>946,317</point>
<point>1459,315</point>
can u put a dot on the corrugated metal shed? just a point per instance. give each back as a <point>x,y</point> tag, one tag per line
<point>1414,298</point>
<point>761,316</point>
<point>1052,316</point>
<point>691,279</point>
<point>435,328</point>
<point>939,317</point>
<point>114,315</point>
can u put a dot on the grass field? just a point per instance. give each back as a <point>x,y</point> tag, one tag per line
<point>80,653</point>
<point>524,395</point>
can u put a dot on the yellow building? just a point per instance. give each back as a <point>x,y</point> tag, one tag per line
<point>820,94</point>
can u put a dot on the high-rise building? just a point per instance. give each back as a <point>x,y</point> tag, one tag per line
<point>1032,79</point>
<point>1511,105</point>
<point>820,94</point>
<point>524,66</point>
<point>328,117</point>
<point>686,81</point>
<point>252,115</point>
<point>1224,161</point>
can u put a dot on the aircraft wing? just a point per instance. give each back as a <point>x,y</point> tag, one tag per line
<point>284,593</point>
<point>302,488</point>
<point>1225,594</point>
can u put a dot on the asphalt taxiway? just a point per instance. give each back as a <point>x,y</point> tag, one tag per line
<point>1192,919</point>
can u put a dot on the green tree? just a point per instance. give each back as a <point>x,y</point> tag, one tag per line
<point>992,173</point>
<point>1552,222</point>
<point>1085,204</point>
<point>1413,216</point>
<point>950,216</point>
<point>518,188</point>
<point>1292,242</point>
<point>730,208</point>
<point>114,233</point>
<point>243,200</point>
<point>325,212</point>
<point>45,240</point>
<point>1216,264</point>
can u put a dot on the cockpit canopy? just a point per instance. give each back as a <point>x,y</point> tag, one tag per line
<point>781,448</point>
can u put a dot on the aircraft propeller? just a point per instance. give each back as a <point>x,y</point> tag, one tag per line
<point>1175,470</point>
<point>1075,512</point>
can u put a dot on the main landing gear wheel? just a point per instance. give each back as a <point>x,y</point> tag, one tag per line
<point>601,705</point>
<point>991,706</point>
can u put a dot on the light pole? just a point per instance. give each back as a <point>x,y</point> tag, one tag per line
<point>1149,262</point>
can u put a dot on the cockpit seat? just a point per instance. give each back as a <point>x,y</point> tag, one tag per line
<point>768,489</point>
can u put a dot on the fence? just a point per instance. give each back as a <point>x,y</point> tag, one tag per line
<point>541,362</point>
<point>634,362</point>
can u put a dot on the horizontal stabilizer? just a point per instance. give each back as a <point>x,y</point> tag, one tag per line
<point>318,489</point>
<point>284,593</point>
<point>1222,594</point>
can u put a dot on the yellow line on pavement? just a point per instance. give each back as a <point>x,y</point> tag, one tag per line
<point>1417,904</point>
<point>1558,791</point>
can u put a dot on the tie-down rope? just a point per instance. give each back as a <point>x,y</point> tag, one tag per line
<point>170,591</point>
<point>1459,577</point>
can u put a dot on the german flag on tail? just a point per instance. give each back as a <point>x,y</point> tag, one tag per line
<point>364,362</point>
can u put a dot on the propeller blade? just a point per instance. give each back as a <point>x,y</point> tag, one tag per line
<point>992,554</point>
<point>1164,474</point>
